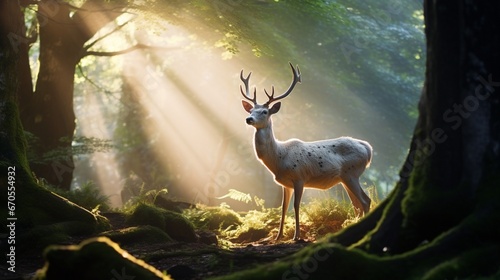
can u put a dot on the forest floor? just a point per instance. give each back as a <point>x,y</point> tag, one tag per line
<point>180,259</point>
<point>198,261</point>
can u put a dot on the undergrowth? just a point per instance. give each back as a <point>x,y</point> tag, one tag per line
<point>145,196</point>
<point>317,218</point>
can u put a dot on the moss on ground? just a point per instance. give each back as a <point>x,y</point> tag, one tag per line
<point>214,218</point>
<point>250,234</point>
<point>46,218</point>
<point>174,224</point>
<point>454,254</point>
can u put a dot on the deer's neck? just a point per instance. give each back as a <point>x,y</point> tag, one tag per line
<point>267,147</point>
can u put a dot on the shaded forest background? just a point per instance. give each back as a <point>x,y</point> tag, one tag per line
<point>362,66</point>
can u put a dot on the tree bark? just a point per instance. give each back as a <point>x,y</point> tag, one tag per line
<point>48,113</point>
<point>31,207</point>
<point>454,154</point>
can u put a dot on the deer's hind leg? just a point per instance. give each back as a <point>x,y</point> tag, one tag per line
<point>359,199</point>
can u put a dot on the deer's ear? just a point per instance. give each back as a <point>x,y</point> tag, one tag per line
<point>276,107</point>
<point>247,106</point>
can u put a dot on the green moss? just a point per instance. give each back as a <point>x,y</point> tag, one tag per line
<point>144,214</point>
<point>174,224</point>
<point>250,234</point>
<point>178,227</point>
<point>13,153</point>
<point>97,258</point>
<point>129,235</point>
<point>454,254</point>
<point>414,195</point>
<point>424,200</point>
<point>472,264</point>
<point>36,206</point>
<point>214,218</point>
<point>41,236</point>
<point>46,218</point>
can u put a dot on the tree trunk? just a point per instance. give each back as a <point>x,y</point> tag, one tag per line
<point>440,220</point>
<point>454,154</point>
<point>48,113</point>
<point>36,214</point>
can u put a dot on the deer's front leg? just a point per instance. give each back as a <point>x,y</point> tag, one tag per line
<point>287,194</point>
<point>298,188</point>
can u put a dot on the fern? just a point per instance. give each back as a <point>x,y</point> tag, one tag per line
<point>237,195</point>
<point>243,197</point>
<point>155,193</point>
<point>259,202</point>
<point>146,197</point>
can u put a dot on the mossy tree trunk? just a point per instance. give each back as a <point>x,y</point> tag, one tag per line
<point>48,111</point>
<point>454,156</point>
<point>440,222</point>
<point>32,206</point>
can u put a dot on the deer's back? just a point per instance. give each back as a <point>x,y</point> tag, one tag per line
<point>322,164</point>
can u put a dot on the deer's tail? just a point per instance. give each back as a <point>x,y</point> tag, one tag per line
<point>369,152</point>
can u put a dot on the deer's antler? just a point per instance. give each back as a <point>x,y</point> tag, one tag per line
<point>247,89</point>
<point>296,79</point>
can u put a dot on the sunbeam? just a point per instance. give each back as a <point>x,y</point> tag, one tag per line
<point>191,122</point>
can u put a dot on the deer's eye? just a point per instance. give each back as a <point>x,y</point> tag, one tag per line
<point>264,112</point>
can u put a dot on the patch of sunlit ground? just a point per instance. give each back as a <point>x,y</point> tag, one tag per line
<point>317,219</point>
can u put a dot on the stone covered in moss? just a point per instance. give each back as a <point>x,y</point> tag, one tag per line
<point>174,224</point>
<point>97,258</point>
<point>215,218</point>
<point>250,234</point>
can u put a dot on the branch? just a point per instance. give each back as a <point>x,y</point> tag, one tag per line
<point>106,35</point>
<point>101,88</point>
<point>131,49</point>
<point>95,14</point>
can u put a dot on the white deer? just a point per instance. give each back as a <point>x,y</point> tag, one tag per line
<point>297,165</point>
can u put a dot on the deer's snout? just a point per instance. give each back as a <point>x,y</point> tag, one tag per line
<point>250,120</point>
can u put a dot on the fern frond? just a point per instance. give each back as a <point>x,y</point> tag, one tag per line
<point>237,195</point>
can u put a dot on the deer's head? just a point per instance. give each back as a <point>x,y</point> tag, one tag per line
<point>260,114</point>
